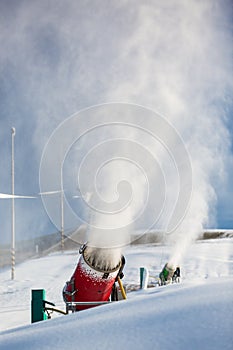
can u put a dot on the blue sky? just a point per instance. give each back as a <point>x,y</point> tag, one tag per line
<point>59,57</point>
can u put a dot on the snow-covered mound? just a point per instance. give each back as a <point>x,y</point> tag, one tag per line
<point>196,314</point>
<point>172,317</point>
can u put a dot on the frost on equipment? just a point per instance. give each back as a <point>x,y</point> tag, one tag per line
<point>92,285</point>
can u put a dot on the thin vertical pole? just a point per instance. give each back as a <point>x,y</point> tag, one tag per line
<point>13,205</point>
<point>144,276</point>
<point>62,213</point>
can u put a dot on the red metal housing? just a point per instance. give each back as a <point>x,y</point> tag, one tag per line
<point>89,284</point>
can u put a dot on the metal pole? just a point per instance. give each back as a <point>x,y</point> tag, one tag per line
<point>144,276</point>
<point>37,305</point>
<point>13,205</point>
<point>62,213</point>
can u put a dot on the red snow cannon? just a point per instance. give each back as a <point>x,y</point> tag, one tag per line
<point>92,281</point>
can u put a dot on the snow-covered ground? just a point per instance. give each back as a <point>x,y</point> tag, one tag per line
<point>195,314</point>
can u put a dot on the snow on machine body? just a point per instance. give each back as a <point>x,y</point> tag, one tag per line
<point>91,285</point>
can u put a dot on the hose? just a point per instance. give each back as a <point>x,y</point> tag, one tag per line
<point>121,288</point>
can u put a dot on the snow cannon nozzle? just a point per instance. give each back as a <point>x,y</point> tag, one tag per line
<point>100,259</point>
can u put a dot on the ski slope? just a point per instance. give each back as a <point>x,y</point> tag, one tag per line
<point>198,313</point>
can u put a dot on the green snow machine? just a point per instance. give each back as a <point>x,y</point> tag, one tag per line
<point>169,274</point>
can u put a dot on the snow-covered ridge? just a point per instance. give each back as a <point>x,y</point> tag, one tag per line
<point>194,314</point>
<point>45,245</point>
<point>176,317</point>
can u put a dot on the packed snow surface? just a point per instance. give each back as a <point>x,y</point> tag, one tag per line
<point>195,314</point>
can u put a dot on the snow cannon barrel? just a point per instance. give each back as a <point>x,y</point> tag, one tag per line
<point>92,280</point>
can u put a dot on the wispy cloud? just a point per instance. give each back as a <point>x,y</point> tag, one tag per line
<point>59,57</point>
